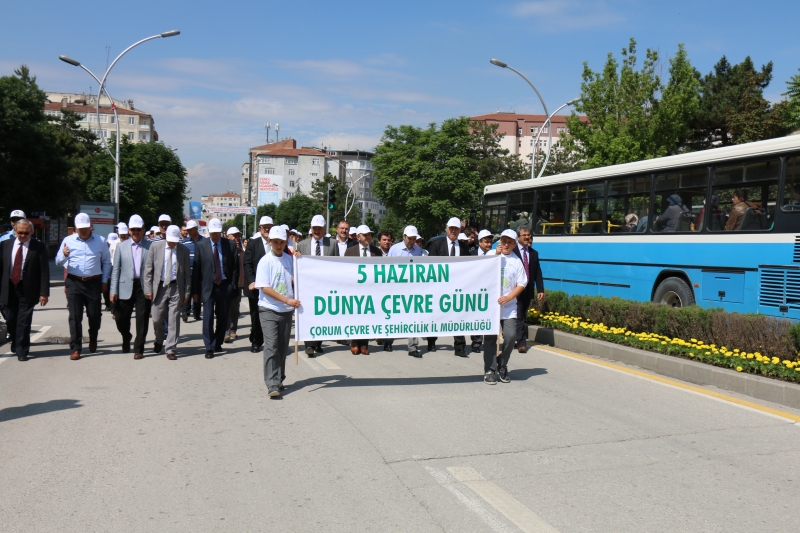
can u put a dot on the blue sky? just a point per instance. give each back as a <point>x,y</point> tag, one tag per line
<point>336,73</point>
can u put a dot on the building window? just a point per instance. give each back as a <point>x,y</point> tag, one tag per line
<point>315,174</point>
<point>131,121</point>
<point>544,129</point>
<point>266,170</point>
<point>131,135</point>
<point>144,136</point>
<point>362,164</point>
<point>113,119</point>
<point>519,131</point>
<point>264,159</point>
<point>562,130</point>
<point>289,194</point>
<point>534,130</point>
<point>349,173</point>
<point>143,121</point>
<point>520,143</point>
<point>361,195</point>
<point>291,172</point>
<point>291,160</point>
<point>291,183</point>
<point>315,160</point>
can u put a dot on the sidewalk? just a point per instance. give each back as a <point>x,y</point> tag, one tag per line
<point>56,274</point>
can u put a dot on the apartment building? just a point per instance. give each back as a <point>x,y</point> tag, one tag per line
<point>225,199</point>
<point>136,125</point>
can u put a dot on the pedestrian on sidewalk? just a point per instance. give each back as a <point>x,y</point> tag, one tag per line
<point>24,282</point>
<point>274,280</point>
<point>127,290</point>
<point>513,281</point>
<point>88,265</point>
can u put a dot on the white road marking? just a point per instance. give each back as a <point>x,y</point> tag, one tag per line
<point>327,363</point>
<point>510,507</point>
<point>472,503</point>
<point>313,364</point>
<point>33,339</point>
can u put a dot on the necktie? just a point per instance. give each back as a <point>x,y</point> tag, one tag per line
<point>319,249</point>
<point>217,271</point>
<point>365,252</point>
<point>525,259</point>
<point>168,272</point>
<point>16,274</point>
<point>452,248</point>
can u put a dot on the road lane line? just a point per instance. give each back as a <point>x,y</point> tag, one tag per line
<point>327,363</point>
<point>510,507</point>
<point>471,503</point>
<point>313,364</point>
<point>744,404</point>
<point>39,334</point>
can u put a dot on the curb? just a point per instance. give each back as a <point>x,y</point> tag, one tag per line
<point>771,390</point>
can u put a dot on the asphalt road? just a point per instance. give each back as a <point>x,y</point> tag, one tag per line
<point>383,442</point>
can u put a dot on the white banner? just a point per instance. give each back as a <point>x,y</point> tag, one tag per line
<point>396,297</point>
<point>228,210</point>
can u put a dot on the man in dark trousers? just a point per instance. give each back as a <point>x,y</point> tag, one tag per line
<point>216,266</point>
<point>190,241</point>
<point>484,242</point>
<point>257,247</point>
<point>364,248</point>
<point>450,246</point>
<point>127,289</point>
<point>530,262</point>
<point>24,282</point>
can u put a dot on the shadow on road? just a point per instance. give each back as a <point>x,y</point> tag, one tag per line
<point>336,381</point>
<point>32,409</point>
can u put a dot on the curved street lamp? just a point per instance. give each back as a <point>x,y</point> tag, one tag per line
<point>550,132</point>
<point>102,89</point>
<point>501,64</point>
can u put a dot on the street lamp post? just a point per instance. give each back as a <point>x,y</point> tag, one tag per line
<point>102,89</point>
<point>350,189</point>
<point>548,124</point>
<point>500,64</point>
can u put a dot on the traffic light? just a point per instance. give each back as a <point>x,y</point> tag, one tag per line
<point>331,199</point>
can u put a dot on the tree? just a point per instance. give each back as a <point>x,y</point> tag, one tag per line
<point>319,192</point>
<point>152,180</point>
<point>297,211</point>
<point>754,119</point>
<point>393,224</point>
<point>565,156</point>
<point>369,221</point>
<point>631,114</point>
<point>425,176</point>
<point>793,107</point>
<point>35,164</point>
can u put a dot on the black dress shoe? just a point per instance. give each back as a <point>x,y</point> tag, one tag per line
<point>461,353</point>
<point>476,348</point>
<point>387,347</point>
<point>431,347</point>
<point>210,354</point>
<point>22,357</point>
<point>254,348</point>
<point>219,349</point>
<point>318,349</point>
<point>157,348</point>
<point>415,353</point>
<point>126,346</point>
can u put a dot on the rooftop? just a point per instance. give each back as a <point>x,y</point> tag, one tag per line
<point>85,108</point>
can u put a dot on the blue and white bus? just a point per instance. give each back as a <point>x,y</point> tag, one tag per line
<point>661,230</point>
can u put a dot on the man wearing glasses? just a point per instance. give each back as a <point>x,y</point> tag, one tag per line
<point>126,289</point>
<point>24,282</point>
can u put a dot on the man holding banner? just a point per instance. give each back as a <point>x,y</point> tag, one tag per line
<point>407,248</point>
<point>364,248</point>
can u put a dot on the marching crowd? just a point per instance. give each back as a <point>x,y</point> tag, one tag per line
<point>172,273</point>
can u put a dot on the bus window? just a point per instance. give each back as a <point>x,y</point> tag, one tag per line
<point>747,194</point>
<point>520,210</point>
<point>627,205</point>
<point>549,213</point>
<point>791,186</point>
<point>679,200</point>
<point>494,214</point>
<point>586,208</point>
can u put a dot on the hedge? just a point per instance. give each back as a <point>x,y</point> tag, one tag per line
<point>751,333</point>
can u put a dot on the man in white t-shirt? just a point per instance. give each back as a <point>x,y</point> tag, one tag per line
<point>276,304</point>
<point>513,282</point>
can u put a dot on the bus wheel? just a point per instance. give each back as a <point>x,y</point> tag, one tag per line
<point>674,292</point>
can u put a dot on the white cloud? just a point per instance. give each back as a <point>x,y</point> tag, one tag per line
<point>562,15</point>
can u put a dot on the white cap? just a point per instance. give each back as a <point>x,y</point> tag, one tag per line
<point>82,221</point>
<point>163,218</point>
<point>122,228</point>
<point>328,235</point>
<point>191,224</point>
<point>265,220</point>
<point>17,213</point>
<point>362,229</point>
<point>318,221</point>
<point>173,233</point>
<point>256,235</point>
<point>309,231</point>
<point>484,233</point>
<point>233,230</point>
<point>454,223</point>
<point>462,237</point>
<point>411,231</point>
<point>215,225</point>
<point>135,222</point>
<point>154,229</point>
<point>509,233</point>
<point>297,232</point>
<point>112,237</point>
<point>419,238</point>
<point>353,230</point>
<point>285,226</point>
<point>277,232</point>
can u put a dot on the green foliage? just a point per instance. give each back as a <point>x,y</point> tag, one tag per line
<point>793,109</point>
<point>297,212</point>
<point>756,119</point>
<point>153,180</point>
<point>632,114</point>
<point>319,192</point>
<point>393,224</point>
<point>369,221</point>
<point>37,160</point>
<point>565,156</point>
<point>751,333</point>
<point>427,175</point>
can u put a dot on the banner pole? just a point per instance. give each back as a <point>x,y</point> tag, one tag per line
<point>296,323</point>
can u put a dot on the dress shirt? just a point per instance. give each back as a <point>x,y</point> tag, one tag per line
<point>190,244</point>
<point>86,258</point>
<point>14,249</point>
<point>400,250</point>
<point>170,258</point>
<point>7,235</point>
<point>314,242</point>
<point>450,247</point>
<point>219,253</point>
<point>342,247</point>
<point>362,251</point>
<point>136,253</point>
<point>482,253</point>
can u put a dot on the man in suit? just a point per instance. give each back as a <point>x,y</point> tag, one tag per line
<point>192,236</point>
<point>127,290</point>
<point>167,284</point>
<point>216,267</point>
<point>321,246</point>
<point>257,247</point>
<point>364,248</point>
<point>235,236</point>
<point>530,262</point>
<point>484,241</point>
<point>24,282</point>
<point>452,247</point>
<point>343,240</point>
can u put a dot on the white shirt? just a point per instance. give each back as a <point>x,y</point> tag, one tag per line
<point>314,242</point>
<point>482,253</point>
<point>512,275</point>
<point>14,249</point>
<point>450,246</point>
<point>276,273</point>
<point>342,247</point>
<point>169,259</point>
